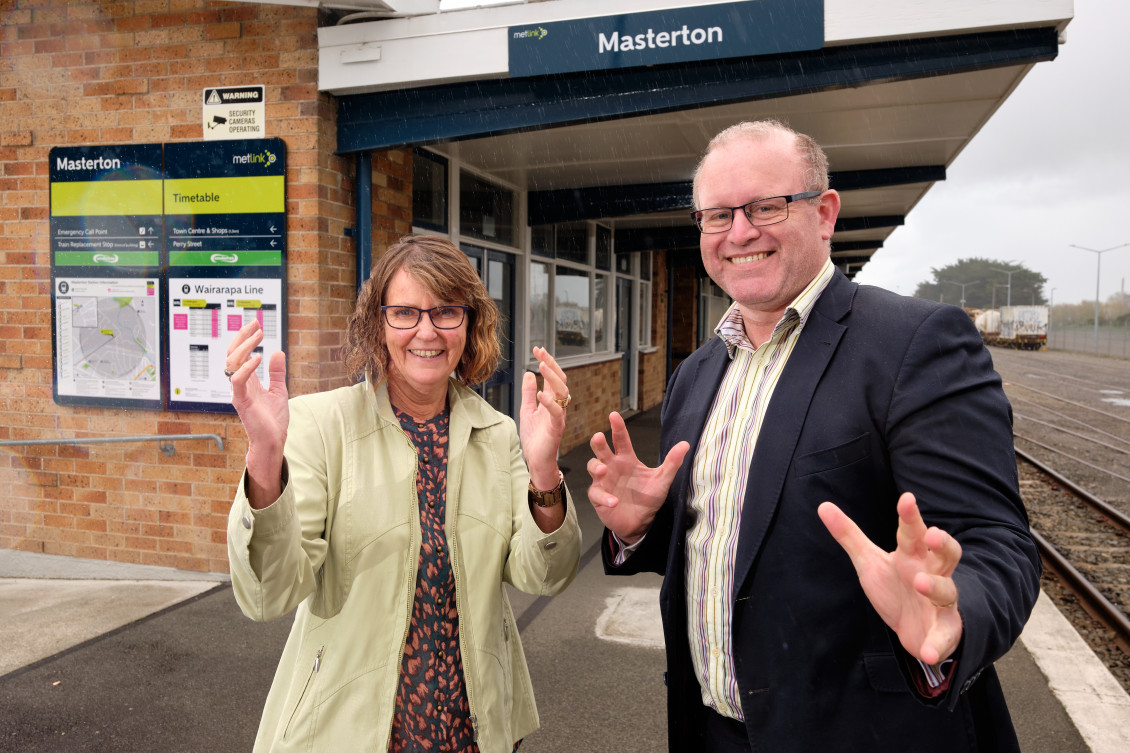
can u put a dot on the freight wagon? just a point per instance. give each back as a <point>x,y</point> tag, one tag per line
<point>1021,327</point>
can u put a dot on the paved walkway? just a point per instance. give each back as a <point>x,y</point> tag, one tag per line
<point>101,656</point>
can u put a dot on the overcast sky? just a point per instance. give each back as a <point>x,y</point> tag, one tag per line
<point>1049,169</point>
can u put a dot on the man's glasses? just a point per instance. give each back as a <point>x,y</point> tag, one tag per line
<point>407,317</point>
<point>760,212</point>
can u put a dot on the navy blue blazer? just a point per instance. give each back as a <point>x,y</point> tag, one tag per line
<point>882,394</point>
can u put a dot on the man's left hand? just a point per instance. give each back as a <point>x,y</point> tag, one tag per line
<point>911,588</point>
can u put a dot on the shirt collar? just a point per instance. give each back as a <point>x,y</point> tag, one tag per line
<point>731,328</point>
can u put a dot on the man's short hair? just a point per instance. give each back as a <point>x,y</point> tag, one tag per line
<point>816,162</point>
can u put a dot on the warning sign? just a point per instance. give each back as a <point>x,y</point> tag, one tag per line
<point>234,112</point>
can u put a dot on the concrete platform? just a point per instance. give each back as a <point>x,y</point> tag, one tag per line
<point>102,656</point>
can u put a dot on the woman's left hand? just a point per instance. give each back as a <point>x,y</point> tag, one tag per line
<point>543,419</point>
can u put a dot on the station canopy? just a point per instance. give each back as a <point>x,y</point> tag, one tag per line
<point>892,89</point>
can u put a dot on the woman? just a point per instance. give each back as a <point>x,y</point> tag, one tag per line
<point>391,513</point>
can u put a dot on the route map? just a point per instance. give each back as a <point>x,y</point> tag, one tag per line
<point>108,338</point>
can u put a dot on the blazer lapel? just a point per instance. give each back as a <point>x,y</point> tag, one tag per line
<point>785,417</point>
<point>695,395</point>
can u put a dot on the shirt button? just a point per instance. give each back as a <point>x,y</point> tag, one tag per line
<point>714,652</point>
<point>550,544</point>
<point>714,592</point>
<point>246,520</point>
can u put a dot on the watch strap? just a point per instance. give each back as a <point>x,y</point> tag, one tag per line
<point>550,498</point>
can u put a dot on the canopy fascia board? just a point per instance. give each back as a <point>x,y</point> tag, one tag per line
<point>451,46</point>
<point>416,116</point>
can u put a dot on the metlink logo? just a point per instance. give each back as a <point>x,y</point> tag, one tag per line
<point>105,258</point>
<point>539,33</point>
<point>224,258</point>
<point>266,158</point>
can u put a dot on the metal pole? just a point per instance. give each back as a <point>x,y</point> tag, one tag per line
<point>962,284</point>
<point>1098,271</point>
<point>1009,286</point>
<point>1098,268</point>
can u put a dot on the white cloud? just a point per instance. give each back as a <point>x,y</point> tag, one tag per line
<point>1048,170</point>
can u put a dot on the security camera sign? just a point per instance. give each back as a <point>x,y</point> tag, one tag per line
<point>234,112</point>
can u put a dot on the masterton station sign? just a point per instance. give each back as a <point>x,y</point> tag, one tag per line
<point>679,35</point>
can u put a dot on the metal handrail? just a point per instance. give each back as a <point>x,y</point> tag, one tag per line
<point>166,441</point>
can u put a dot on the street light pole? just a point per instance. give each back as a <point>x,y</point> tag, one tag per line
<point>962,284</point>
<point>1098,271</point>
<point>1009,286</point>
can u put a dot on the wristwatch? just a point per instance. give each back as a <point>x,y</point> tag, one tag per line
<point>550,498</point>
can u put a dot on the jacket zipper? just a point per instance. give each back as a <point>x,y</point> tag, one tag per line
<point>301,698</point>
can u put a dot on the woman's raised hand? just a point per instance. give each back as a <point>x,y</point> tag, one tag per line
<point>543,419</point>
<point>265,413</point>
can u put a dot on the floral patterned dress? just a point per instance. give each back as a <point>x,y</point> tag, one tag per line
<point>432,712</point>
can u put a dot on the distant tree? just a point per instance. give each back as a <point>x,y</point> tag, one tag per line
<point>985,285</point>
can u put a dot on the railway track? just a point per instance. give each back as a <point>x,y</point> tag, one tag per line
<point>1072,438</point>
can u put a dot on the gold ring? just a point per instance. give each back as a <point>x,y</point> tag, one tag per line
<point>947,606</point>
<point>563,401</point>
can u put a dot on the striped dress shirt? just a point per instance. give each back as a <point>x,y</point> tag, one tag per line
<point>718,485</point>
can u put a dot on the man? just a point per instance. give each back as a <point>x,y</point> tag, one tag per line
<point>806,604</point>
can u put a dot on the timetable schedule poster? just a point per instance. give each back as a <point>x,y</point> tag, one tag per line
<point>205,313</point>
<point>107,341</point>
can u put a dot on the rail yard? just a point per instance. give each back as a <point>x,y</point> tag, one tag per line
<point>1072,435</point>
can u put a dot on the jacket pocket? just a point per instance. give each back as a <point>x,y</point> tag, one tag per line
<point>305,696</point>
<point>832,458</point>
<point>883,673</point>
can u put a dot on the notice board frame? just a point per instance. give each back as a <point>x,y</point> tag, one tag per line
<point>97,194</point>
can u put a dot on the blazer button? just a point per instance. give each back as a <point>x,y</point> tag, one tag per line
<point>246,520</point>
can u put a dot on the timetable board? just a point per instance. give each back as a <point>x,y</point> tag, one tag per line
<point>147,242</point>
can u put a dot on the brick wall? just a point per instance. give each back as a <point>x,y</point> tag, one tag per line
<point>84,72</point>
<point>592,401</point>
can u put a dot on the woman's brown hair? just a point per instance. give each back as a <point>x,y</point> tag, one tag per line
<point>446,272</point>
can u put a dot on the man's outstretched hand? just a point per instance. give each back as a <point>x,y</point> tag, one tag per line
<point>911,588</point>
<point>626,493</point>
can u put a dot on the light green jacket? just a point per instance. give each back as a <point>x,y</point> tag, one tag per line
<point>342,544</point>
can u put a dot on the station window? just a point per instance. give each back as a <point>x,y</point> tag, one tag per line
<point>571,242</point>
<point>570,299</point>
<point>624,264</point>
<point>572,314</point>
<point>603,247</point>
<point>645,300</point>
<point>539,305</point>
<point>541,240</point>
<point>486,211</point>
<point>429,191</point>
<point>713,303</point>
